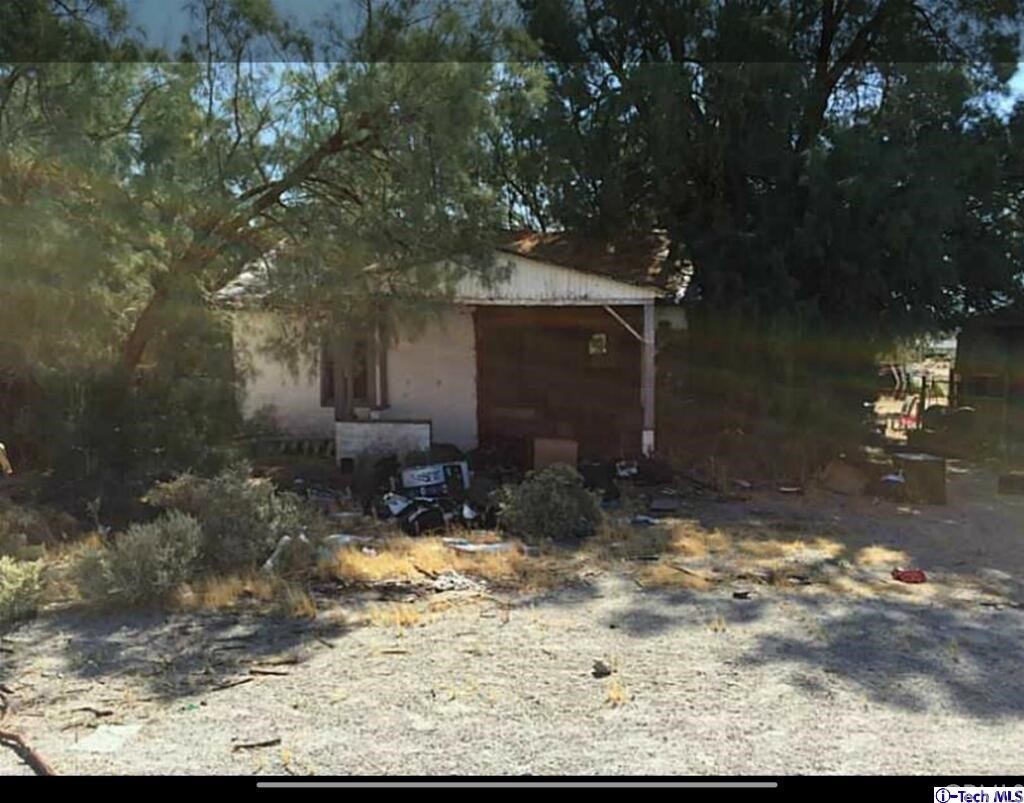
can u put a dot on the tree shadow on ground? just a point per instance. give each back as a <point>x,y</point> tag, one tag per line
<point>901,654</point>
<point>172,655</point>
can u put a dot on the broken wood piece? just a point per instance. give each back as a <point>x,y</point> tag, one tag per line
<point>255,745</point>
<point>25,752</point>
<point>282,660</point>
<point>257,671</point>
<point>98,712</point>
<point>233,683</point>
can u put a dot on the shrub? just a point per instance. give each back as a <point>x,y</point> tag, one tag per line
<point>549,504</point>
<point>144,563</point>
<point>241,518</point>
<point>21,525</point>
<point>21,588</point>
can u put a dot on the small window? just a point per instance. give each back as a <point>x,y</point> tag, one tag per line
<point>360,372</point>
<point>598,345</point>
<point>326,377</point>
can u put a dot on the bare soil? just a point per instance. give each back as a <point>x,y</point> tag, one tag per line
<point>794,678</point>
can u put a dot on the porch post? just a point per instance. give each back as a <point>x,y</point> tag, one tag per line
<point>647,379</point>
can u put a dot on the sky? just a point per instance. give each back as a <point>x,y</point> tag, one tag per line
<point>164,23</point>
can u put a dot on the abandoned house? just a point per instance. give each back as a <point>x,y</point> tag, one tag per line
<point>988,376</point>
<point>558,357</point>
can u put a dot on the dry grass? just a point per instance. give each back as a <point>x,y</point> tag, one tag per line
<point>665,575</point>
<point>411,559</point>
<point>876,555</point>
<point>615,693</point>
<point>767,548</point>
<point>294,602</point>
<point>218,593</point>
<point>396,615</point>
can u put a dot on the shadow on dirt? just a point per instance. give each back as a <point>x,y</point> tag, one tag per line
<point>174,655</point>
<point>901,654</point>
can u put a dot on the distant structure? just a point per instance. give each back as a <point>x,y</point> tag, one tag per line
<point>988,375</point>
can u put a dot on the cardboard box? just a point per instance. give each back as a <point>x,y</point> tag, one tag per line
<point>554,450</point>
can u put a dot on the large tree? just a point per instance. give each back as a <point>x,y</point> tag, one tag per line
<point>787,145</point>
<point>837,172</point>
<point>133,187</point>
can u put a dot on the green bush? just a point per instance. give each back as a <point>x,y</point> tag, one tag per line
<point>549,504</point>
<point>144,563</point>
<point>21,525</point>
<point>21,588</point>
<point>241,518</point>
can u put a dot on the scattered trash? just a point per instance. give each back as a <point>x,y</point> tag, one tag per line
<point>461,545</point>
<point>422,516</point>
<point>333,544</point>
<point>289,554</point>
<point>744,484</point>
<point>664,504</point>
<point>790,489</point>
<point>107,738</point>
<point>653,471</point>
<point>643,520</point>
<point>909,575</point>
<point>601,669</point>
<point>454,581</point>
<point>741,595</point>
<point>600,476</point>
<point>625,469</point>
<point>439,479</point>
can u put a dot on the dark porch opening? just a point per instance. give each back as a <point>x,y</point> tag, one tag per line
<point>559,372</point>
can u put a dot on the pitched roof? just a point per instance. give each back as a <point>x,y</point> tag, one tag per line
<point>639,259</point>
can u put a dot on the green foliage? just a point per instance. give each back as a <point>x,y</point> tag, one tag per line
<point>838,175</point>
<point>242,518</point>
<point>21,588</point>
<point>144,564</point>
<point>550,504</point>
<point>132,191</point>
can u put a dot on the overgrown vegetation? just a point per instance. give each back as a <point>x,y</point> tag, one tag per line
<point>21,588</point>
<point>550,504</point>
<point>241,517</point>
<point>145,563</point>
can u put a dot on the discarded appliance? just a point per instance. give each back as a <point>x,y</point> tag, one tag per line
<point>625,469</point>
<point>438,479</point>
<point>462,545</point>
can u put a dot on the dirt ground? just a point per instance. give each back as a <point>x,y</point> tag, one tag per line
<point>870,676</point>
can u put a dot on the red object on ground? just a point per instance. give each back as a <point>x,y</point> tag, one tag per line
<point>909,575</point>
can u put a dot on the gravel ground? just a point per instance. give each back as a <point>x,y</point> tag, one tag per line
<point>800,680</point>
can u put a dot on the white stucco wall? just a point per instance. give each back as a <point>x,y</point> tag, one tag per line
<point>432,375</point>
<point>293,398</point>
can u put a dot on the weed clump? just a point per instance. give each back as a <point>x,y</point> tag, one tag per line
<point>550,504</point>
